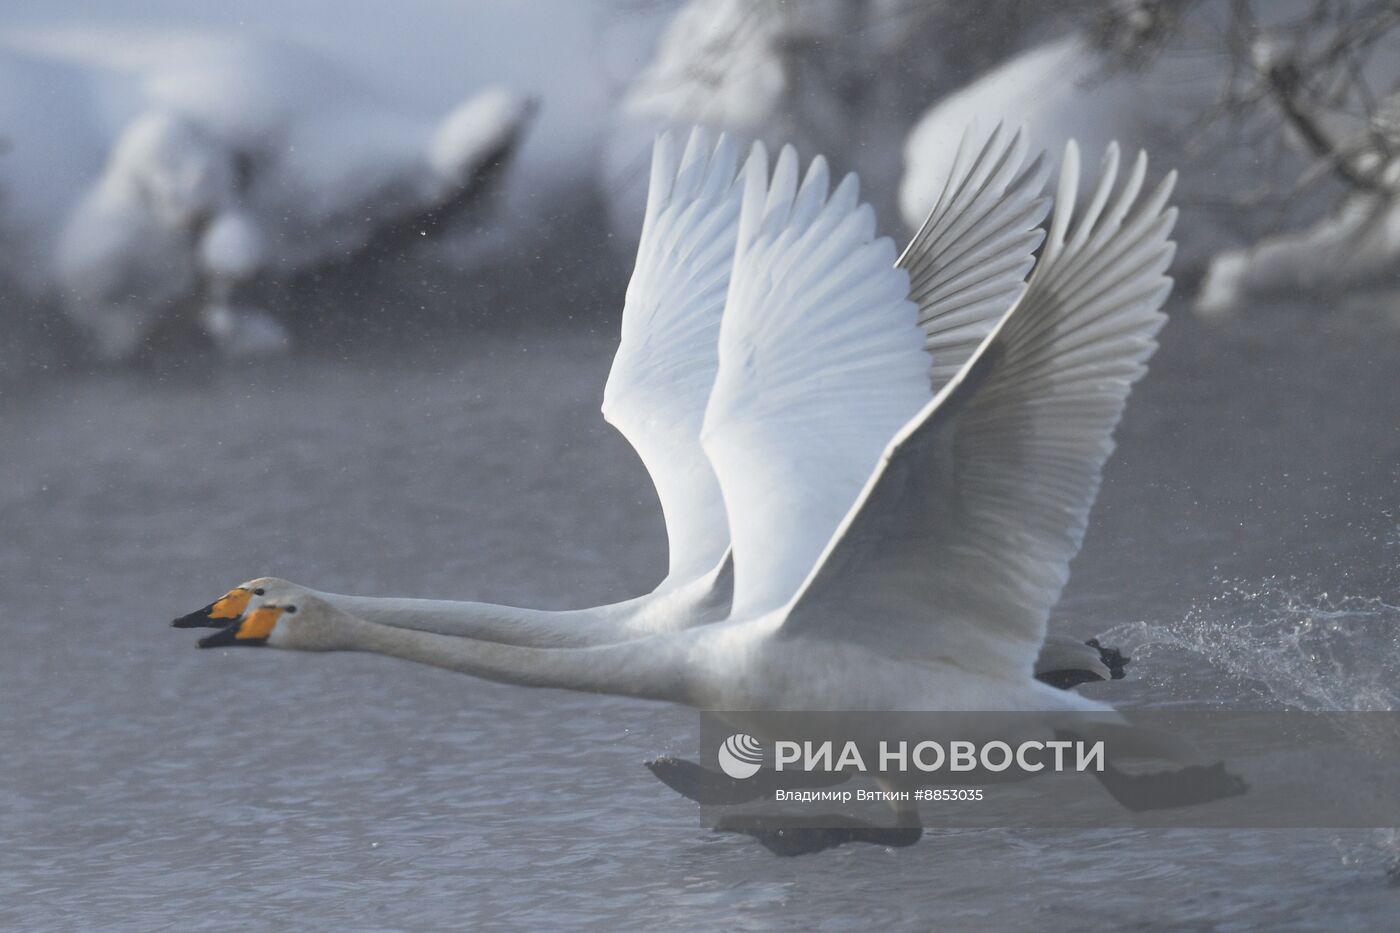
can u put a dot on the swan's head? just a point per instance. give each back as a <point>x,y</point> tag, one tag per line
<point>301,622</point>
<point>229,607</point>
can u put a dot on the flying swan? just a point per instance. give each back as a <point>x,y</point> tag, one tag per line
<point>966,266</point>
<point>934,590</point>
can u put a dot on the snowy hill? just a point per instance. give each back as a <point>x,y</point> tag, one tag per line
<point>157,156</point>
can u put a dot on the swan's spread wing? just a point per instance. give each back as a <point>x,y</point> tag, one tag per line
<point>967,264</point>
<point>820,361</point>
<point>667,358</point>
<point>961,542</point>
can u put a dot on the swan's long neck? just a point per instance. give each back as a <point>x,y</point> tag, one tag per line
<point>489,622</point>
<point>674,606</point>
<point>655,668</point>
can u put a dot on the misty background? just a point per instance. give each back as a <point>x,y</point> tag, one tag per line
<point>329,291</point>
<point>173,177</point>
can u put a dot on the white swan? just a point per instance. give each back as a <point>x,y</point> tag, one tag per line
<point>934,591</point>
<point>967,265</point>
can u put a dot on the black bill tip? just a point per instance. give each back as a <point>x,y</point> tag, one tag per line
<point>228,638</point>
<point>201,618</point>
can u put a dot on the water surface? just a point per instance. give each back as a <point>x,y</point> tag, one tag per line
<point>1245,549</point>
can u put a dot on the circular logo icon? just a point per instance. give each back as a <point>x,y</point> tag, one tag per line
<point>741,756</point>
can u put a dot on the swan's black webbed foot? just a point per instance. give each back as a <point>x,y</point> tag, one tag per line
<point>1068,679</point>
<point>712,788</point>
<point>705,787</point>
<point>1113,659</point>
<point>787,836</point>
<point>1179,787</point>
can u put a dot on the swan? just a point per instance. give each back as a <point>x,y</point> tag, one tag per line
<point>934,590</point>
<point>966,265</point>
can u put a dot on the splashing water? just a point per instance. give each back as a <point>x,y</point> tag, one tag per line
<point>1280,645</point>
<point>1286,647</point>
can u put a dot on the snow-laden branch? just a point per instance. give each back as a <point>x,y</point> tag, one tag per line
<point>233,163</point>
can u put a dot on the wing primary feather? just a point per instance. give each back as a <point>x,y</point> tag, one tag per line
<point>960,542</point>
<point>822,355</point>
<point>969,259</point>
<point>667,357</point>
<point>663,175</point>
<point>1108,175</point>
<point>1065,196</point>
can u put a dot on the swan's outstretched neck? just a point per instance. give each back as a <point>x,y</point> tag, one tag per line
<point>652,668</point>
<point>674,606</point>
<point>490,622</point>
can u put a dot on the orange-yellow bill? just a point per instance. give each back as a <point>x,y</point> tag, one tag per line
<point>221,612</point>
<point>252,629</point>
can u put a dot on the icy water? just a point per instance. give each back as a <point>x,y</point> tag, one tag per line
<point>1244,549</point>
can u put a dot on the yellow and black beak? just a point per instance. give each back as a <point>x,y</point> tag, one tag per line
<point>221,612</point>
<point>251,630</point>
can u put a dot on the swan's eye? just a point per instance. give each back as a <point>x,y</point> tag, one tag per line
<point>291,609</point>
<point>260,592</point>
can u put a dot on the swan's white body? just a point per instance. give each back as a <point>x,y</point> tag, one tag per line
<point>963,269</point>
<point>933,589</point>
<point>744,666</point>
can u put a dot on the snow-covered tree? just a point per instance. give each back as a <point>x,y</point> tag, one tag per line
<point>215,168</point>
<point>846,78</point>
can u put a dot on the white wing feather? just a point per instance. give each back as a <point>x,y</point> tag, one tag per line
<point>968,263</point>
<point>667,357</point>
<point>821,351</point>
<point>821,360</point>
<point>960,544</point>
